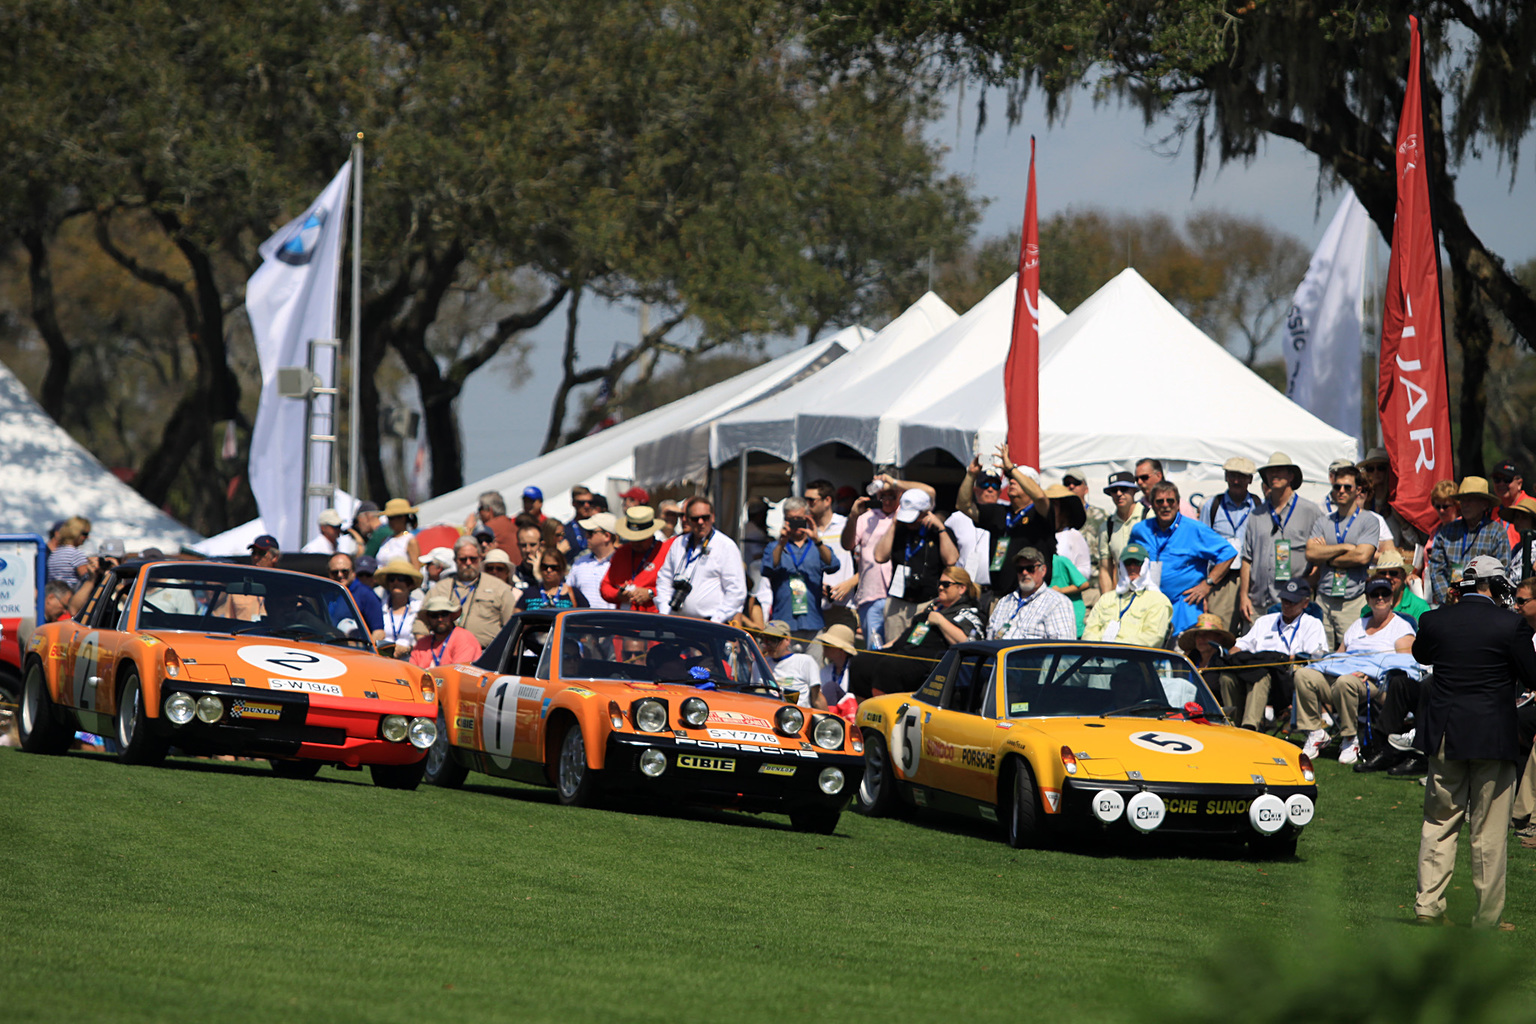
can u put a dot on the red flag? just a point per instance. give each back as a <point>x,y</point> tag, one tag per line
<point>1021,374</point>
<point>1411,389</point>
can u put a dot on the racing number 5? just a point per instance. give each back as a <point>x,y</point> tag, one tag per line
<point>1172,744</point>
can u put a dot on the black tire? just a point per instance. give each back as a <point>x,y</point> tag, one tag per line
<point>136,745</point>
<point>1281,846</point>
<point>38,719</point>
<point>876,795</point>
<point>296,769</point>
<point>819,820</point>
<point>441,767</point>
<point>398,776</point>
<point>1021,817</point>
<point>576,783</point>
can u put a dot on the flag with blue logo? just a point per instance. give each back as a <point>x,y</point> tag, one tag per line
<point>291,300</point>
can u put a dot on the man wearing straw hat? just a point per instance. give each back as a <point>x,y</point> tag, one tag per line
<point>1228,514</point>
<point>1474,533</point>
<point>631,579</point>
<point>1275,538</point>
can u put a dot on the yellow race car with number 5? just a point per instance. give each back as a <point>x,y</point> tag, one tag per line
<point>1042,736</point>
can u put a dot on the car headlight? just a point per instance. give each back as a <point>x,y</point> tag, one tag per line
<point>179,708</point>
<point>828,732</point>
<point>831,781</point>
<point>210,709</point>
<point>789,720</point>
<point>649,715</point>
<point>695,712</point>
<point>394,728</point>
<point>422,733</point>
<point>652,762</point>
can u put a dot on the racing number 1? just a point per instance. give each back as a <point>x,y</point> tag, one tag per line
<point>494,703</point>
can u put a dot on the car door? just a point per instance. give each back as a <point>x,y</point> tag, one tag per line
<point>514,699</point>
<point>959,744</point>
<point>89,679</point>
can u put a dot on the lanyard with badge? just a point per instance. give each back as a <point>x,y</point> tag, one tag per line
<point>1236,539</point>
<point>1279,632</point>
<point>1153,570</point>
<point>1112,630</point>
<point>1282,545</point>
<point>464,604</point>
<point>1468,540</point>
<point>799,593</point>
<point>1338,580</point>
<point>900,573</point>
<point>1001,544</point>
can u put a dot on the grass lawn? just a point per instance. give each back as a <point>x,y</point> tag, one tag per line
<point>206,892</point>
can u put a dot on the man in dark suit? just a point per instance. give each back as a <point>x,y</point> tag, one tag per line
<point>1479,654</point>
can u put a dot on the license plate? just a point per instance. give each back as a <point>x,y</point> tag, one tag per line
<point>707,764</point>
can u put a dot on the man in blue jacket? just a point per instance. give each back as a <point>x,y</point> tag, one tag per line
<point>1186,558</point>
<point>794,567</point>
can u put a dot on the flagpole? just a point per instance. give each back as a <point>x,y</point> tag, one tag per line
<point>355,384</point>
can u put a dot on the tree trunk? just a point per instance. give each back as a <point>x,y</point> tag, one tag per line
<point>45,317</point>
<point>568,375</point>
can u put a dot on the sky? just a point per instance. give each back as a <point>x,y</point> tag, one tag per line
<point>1098,157</point>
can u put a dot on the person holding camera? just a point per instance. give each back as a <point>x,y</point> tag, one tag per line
<point>795,567</point>
<point>702,575</point>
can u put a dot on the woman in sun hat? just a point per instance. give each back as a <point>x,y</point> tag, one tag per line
<point>401,602</point>
<point>401,543</point>
<point>1206,641</point>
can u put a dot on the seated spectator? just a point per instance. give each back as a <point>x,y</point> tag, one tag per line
<point>533,504</point>
<point>444,643</point>
<point>530,545</point>
<point>436,563</point>
<point>1251,680</point>
<point>573,540</point>
<point>402,602</point>
<point>491,515</point>
<point>1521,517</point>
<point>591,566</point>
<point>340,569</point>
<point>631,580</point>
<point>1032,610</point>
<point>795,567</point>
<point>1390,567</point>
<point>1384,632</point>
<point>1206,643</point>
<point>1188,558</point>
<point>401,516</point>
<point>365,523</point>
<point>635,496</point>
<point>552,591</point>
<point>797,674</point>
<point>837,652</point>
<point>949,619</point>
<point>1135,612</point>
<point>331,540</point>
<point>498,564</point>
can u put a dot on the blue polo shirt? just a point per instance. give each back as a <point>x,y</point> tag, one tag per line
<point>368,603</point>
<point>799,562</point>
<point>1185,549</point>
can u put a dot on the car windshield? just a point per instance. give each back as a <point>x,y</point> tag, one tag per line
<point>212,597</point>
<point>1047,681</point>
<point>661,649</point>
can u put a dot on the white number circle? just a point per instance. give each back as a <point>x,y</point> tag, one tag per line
<point>290,662</point>
<point>1267,814</point>
<point>1168,742</point>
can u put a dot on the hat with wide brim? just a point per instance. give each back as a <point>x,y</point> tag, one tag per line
<point>1375,455</point>
<point>1208,624</point>
<point>1280,460</point>
<point>1474,487</point>
<point>401,567</point>
<point>839,636</point>
<point>639,523</point>
<point>398,507</point>
<point>1526,504</point>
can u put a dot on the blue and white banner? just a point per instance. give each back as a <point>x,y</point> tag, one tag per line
<point>291,300</point>
<point>1322,345</point>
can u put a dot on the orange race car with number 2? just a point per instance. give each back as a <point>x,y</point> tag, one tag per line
<point>216,658</point>
<point>601,703</point>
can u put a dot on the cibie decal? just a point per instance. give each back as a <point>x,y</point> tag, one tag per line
<point>304,686</point>
<point>1168,742</point>
<point>290,662</point>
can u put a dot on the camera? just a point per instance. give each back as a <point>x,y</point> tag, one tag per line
<point>680,591</point>
<point>798,523</point>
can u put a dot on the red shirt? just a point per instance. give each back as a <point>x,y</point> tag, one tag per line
<point>640,568</point>
<point>459,648</point>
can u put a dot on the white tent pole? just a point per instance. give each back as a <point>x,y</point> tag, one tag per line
<point>741,496</point>
<point>357,313</point>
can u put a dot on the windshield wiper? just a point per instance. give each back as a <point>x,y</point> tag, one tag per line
<point>1150,704</point>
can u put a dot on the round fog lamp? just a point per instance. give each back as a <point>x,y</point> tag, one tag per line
<point>828,732</point>
<point>790,720</point>
<point>210,709</point>
<point>651,716</point>
<point>652,762</point>
<point>394,728</point>
<point>423,733</point>
<point>180,708</point>
<point>830,780</point>
<point>1299,809</point>
<point>1108,805</point>
<point>695,712</point>
<point>1267,814</point>
<point>1145,811</point>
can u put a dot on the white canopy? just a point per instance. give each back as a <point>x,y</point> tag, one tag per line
<point>610,455</point>
<point>977,342</point>
<point>237,539</point>
<point>1126,376</point>
<point>46,476</point>
<point>768,425</point>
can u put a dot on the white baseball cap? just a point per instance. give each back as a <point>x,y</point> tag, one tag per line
<point>913,504</point>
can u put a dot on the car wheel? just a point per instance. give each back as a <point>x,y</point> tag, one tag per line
<point>442,769</point>
<point>41,730</point>
<point>575,783</point>
<point>1023,811</point>
<point>877,790</point>
<point>815,819</point>
<point>1275,847</point>
<point>398,776</point>
<point>135,743</point>
<point>296,769</point>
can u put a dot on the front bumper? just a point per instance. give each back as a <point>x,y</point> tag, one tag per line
<point>743,776</point>
<point>1214,810</point>
<point>272,723</point>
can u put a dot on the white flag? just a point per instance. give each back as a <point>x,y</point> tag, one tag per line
<point>1322,352</point>
<point>291,300</point>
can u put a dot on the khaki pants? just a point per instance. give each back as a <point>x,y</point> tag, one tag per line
<point>898,616</point>
<point>1524,809</point>
<point>1249,698</point>
<point>1339,613</point>
<point>1222,603</point>
<point>1313,690</point>
<point>1479,793</point>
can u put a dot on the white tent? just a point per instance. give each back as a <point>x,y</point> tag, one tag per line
<point>237,539</point>
<point>609,456</point>
<point>977,342</point>
<point>768,425</point>
<point>1126,376</point>
<point>46,476</point>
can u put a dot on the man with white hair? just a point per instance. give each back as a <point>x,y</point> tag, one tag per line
<point>795,567</point>
<point>485,603</point>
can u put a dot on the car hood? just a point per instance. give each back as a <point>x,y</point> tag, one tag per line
<point>296,666</point>
<point>1163,750</point>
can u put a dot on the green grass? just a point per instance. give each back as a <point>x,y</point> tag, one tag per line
<point>205,891</point>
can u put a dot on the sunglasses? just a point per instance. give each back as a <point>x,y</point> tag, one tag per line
<point>1521,602</point>
<point>1346,488</point>
<point>1379,595</point>
<point>1027,566</point>
<point>340,574</point>
<point>946,584</point>
<point>1143,477</point>
<point>706,517</point>
<point>1502,479</point>
<point>498,567</point>
<point>1392,574</point>
<point>1165,502</point>
<point>467,559</point>
<point>1443,507</point>
<point>396,578</point>
<point>549,568</point>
